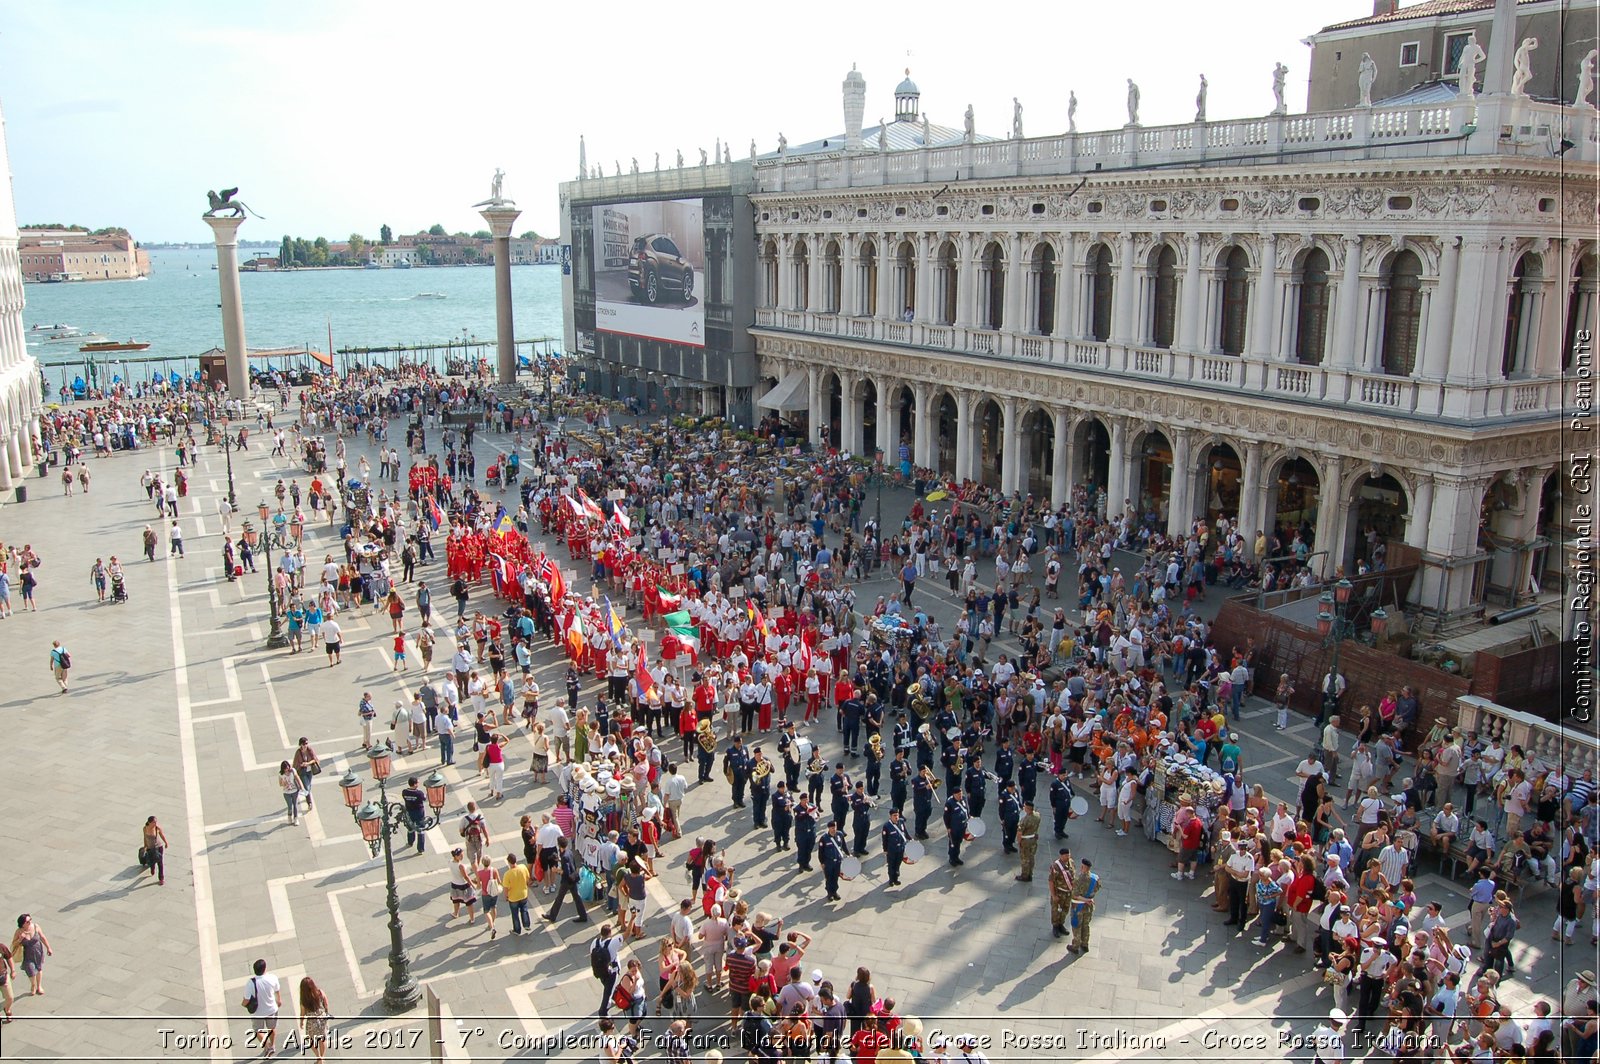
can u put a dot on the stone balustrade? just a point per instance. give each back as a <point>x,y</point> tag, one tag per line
<point>1575,749</point>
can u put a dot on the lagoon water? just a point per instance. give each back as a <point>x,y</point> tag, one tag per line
<point>175,308</point>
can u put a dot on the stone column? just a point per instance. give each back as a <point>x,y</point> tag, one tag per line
<point>850,414</point>
<point>1421,508</point>
<point>849,278</point>
<point>1478,293</point>
<point>888,422</point>
<point>1250,518</point>
<point>1193,296</point>
<point>1345,355</point>
<point>814,297</point>
<point>1067,288</point>
<point>1180,506</point>
<point>886,277</point>
<point>1452,531</point>
<point>816,409</point>
<point>922,437</point>
<point>1016,285</point>
<point>1117,475</point>
<point>1124,298</point>
<point>1330,516</point>
<point>1436,341</point>
<point>14,463</point>
<point>1554,290</point>
<point>964,435</point>
<point>1263,343</point>
<point>501,217</point>
<point>7,478</point>
<point>1010,446</point>
<point>1061,469</point>
<point>225,230</point>
<point>964,280</point>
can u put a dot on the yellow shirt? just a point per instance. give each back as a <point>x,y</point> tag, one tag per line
<point>515,880</point>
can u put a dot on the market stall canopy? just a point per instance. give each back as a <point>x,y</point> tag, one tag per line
<point>791,393</point>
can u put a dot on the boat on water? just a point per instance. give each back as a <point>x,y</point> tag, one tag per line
<point>430,295</point>
<point>402,264</point>
<point>60,335</point>
<point>99,346</point>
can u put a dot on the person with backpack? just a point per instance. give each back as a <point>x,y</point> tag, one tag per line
<point>567,866</point>
<point>458,591</point>
<point>60,663</point>
<point>262,1000</point>
<point>603,963</point>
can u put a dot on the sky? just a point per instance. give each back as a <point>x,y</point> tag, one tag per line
<point>339,117</point>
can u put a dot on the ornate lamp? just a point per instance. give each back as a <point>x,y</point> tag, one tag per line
<point>350,787</point>
<point>264,510</point>
<point>382,763</point>
<point>1342,589</point>
<point>1379,622</point>
<point>370,819</point>
<point>435,786</point>
<point>1324,623</point>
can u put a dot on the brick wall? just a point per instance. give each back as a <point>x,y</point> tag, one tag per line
<point>1284,645</point>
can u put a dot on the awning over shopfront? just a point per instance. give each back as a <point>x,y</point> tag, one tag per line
<point>791,393</point>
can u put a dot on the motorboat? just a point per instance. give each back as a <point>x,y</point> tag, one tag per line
<point>430,295</point>
<point>103,345</point>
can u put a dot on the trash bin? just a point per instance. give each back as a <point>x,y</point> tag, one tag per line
<point>22,493</point>
<point>43,467</point>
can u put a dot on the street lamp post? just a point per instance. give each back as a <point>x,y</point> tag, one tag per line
<point>227,451</point>
<point>274,535</point>
<point>1336,622</point>
<point>378,821</point>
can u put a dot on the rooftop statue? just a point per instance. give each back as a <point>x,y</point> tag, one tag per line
<point>1280,75</point>
<point>1200,100</point>
<point>1369,74</point>
<point>1016,119</point>
<point>1471,56</point>
<point>1072,111</point>
<point>1133,103</point>
<point>1522,66</point>
<point>1586,78</point>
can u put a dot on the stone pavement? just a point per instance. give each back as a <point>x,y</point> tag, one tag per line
<point>177,710</point>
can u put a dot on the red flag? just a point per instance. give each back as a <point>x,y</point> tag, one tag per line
<point>641,676</point>
<point>552,576</point>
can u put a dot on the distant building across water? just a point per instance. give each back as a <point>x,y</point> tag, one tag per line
<point>78,255</point>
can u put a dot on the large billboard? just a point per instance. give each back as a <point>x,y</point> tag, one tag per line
<point>649,270</point>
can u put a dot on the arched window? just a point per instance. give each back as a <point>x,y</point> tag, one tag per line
<point>1100,292</point>
<point>1580,306</point>
<point>802,275</point>
<point>1164,297</point>
<point>832,278</point>
<point>1235,302</point>
<point>993,265</point>
<point>1044,290</point>
<point>867,300</point>
<point>769,273</point>
<point>947,280</point>
<point>1311,319</point>
<point>1517,354</point>
<point>905,282</point>
<point>1402,314</point>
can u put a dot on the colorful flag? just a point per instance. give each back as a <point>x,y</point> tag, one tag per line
<point>669,600</point>
<point>505,527</point>
<point>500,567</point>
<point>613,624</point>
<point>551,574</point>
<point>687,639</point>
<point>642,680</point>
<point>575,639</point>
<point>620,516</point>
<point>435,516</point>
<point>678,619</point>
<point>756,619</point>
<point>590,507</point>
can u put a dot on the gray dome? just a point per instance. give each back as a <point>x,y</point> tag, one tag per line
<point>907,87</point>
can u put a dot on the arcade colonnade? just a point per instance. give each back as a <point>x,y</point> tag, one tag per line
<point>1172,473</point>
<point>20,402</point>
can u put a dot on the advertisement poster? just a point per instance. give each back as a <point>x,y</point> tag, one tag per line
<point>649,270</point>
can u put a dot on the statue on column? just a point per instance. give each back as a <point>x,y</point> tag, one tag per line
<point>1072,111</point>
<point>1016,119</point>
<point>224,201</point>
<point>1586,78</point>
<point>1280,75</point>
<point>1368,75</point>
<point>1471,56</point>
<point>1522,66</point>
<point>495,184</point>
<point>1133,103</point>
<point>1200,100</point>
<point>969,126</point>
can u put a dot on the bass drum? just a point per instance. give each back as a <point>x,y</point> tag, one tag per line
<point>850,867</point>
<point>977,828</point>
<point>915,851</point>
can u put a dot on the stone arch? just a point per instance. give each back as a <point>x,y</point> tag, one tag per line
<point>1378,502</point>
<point>832,277</point>
<point>1036,428</point>
<point>1043,277</point>
<point>1150,484</point>
<point>866,392</point>
<point>988,441</point>
<point>944,408</point>
<point>1091,448</point>
<point>831,387</point>
<point>1294,497</point>
<point>1219,477</point>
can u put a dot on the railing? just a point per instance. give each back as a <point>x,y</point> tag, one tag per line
<point>1360,131</point>
<point>1291,382</point>
<point>1546,745</point>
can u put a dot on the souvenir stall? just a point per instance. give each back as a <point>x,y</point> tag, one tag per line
<point>1178,779</point>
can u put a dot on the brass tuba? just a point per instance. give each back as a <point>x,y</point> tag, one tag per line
<point>707,737</point>
<point>876,742</point>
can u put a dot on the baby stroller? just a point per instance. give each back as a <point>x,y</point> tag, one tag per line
<point>119,589</point>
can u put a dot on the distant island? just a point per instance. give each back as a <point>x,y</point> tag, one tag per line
<point>52,253</point>
<point>429,247</point>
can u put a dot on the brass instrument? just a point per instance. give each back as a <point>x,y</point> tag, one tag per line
<point>933,781</point>
<point>762,770</point>
<point>707,737</point>
<point>920,704</point>
<point>817,764</point>
<point>876,742</point>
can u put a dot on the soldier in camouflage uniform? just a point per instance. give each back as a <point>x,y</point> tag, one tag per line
<point>1061,876</point>
<point>1027,842</point>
